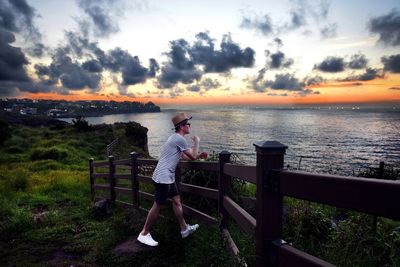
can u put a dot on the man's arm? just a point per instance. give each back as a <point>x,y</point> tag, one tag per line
<point>194,150</point>
<point>189,154</point>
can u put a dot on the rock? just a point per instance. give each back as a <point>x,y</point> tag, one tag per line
<point>40,217</point>
<point>101,208</point>
<point>130,247</point>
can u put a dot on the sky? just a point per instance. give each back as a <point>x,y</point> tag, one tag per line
<point>201,52</point>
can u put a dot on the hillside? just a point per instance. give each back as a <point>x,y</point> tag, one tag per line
<point>47,217</point>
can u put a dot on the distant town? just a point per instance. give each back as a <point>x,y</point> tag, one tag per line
<point>71,109</point>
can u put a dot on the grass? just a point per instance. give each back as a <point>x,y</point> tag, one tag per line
<point>46,215</point>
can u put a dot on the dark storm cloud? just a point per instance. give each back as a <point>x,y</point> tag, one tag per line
<point>71,74</point>
<point>391,63</point>
<point>229,56</point>
<point>12,59</point>
<point>387,27</point>
<point>101,15</point>
<point>368,75</point>
<point>187,63</point>
<point>331,64</point>
<point>281,82</point>
<point>261,25</point>
<point>17,16</point>
<point>278,60</point>
<point>285,82</point>
<point>154,68</point>
<point>358,61</point>
<point>133,72</point>
<point>170,75</point>
<point>92,65</point>
<point>180,67</point>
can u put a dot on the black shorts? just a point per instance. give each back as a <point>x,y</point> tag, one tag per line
<point>164,191</point>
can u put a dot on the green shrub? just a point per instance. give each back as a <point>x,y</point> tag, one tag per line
<point>14,180</point>
<point>81,124</point>
<point>15,149</point>
<point>5,133</point>
<point>136,132</point>
<point>49,153</point>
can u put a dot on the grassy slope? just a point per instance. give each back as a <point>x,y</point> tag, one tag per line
<point>46,217</point>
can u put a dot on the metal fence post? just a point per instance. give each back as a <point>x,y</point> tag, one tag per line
<point>134,180</point>
<point>224,182</point>
<point>112,178</point>
<point>270,155</point>
<point>91,171</point>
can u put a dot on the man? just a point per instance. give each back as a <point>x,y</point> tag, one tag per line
<point>173,150</point>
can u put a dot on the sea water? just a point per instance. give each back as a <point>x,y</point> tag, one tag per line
<point>327,140</point>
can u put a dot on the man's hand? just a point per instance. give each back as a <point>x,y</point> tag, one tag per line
<point>203,155</point>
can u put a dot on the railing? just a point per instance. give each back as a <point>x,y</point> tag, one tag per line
<point>378,197</point>
<point>110,147</point>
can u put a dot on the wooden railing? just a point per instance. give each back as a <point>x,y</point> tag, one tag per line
<point>378,197</point>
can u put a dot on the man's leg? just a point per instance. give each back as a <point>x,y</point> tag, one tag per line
<point>178,210</point>
<point>151,218</point>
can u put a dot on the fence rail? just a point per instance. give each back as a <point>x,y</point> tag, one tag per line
<point>374,196</point>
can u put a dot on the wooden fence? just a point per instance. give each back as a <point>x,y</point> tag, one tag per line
<point>374,196</point>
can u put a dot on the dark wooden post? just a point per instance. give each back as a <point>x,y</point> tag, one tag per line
<point>224,182</point>
<point>374,217</point>
<point>91,171</point>
<point>134,180</point>
<point>270,155</point>
<point>112,178</point>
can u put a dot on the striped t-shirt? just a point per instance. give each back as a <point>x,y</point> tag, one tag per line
<point>169,159</point>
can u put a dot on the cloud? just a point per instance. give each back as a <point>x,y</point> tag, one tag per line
<point>281,82</point>
<point>285,82</point>
<point>329,31</point>
<point>92,65</point>
<point>331,64</point>
<point>391,63</point>
<point>261,25</point>
<point>315,80</point>
<point>102,14</point>
<point>18,17</point>
<point>395,88</point>
<point>70,73</point>
<point>180,67</point>
<point>187,63</point>
<point>209,84</point>
<point>387,27</point>
<point>229,56</point>
<point>301,14</point>
<point>277,60</point>
<point>193,88</point>
<point>358,61</point>
<point>368,75</point>
<point>12,59</point>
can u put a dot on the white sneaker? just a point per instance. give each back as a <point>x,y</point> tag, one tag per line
<point>189,230</point>
<point>147,240</point>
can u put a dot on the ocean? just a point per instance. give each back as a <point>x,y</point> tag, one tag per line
<point>323,140</point>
